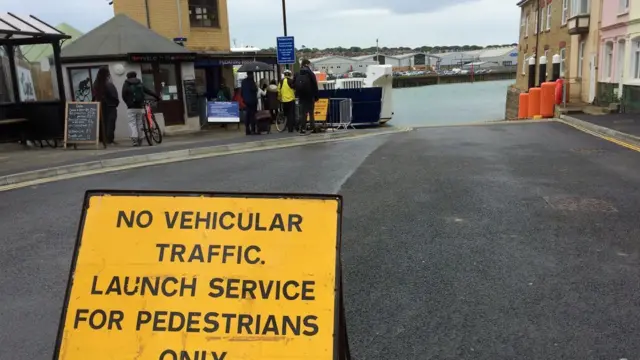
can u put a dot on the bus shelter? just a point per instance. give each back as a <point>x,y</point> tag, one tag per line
<point>31,94</point>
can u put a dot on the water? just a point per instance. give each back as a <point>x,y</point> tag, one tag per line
<point>450,104</point>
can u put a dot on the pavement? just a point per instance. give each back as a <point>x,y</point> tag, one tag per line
<point>514,241</point>
<point>27,166</point>
<point>624,123</point>
<point>621,128</point>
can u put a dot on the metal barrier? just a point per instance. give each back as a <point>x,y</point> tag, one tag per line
<point>339,114</point>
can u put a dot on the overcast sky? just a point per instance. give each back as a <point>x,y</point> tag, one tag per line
<point>328,23</point>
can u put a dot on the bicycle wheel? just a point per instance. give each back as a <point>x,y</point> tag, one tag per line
<point>147,129</point>
<point>281,121</point>
<point>156,134</point>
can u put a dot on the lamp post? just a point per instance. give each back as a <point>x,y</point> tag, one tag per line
<point>284,24</point>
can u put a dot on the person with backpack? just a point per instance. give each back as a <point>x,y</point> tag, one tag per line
<point>307,92</point>
<point>133,94</point>
<point>249,93</point>
<point>287,98</point>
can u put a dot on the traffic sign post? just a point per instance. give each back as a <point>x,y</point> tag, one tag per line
<point>286,50</point>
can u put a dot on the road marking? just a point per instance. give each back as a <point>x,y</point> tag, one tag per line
<point>604,137</point>
<point>485,123</point>
<point>189,158</point>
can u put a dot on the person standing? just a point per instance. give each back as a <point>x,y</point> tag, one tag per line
<point>105,92</point>
<point>307,91</point>
<point>287,97</point>
<point>272,99</point>
<point>249,91</point>
<point>133,94</point>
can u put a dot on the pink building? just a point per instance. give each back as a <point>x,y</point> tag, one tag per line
<point>613,45</point>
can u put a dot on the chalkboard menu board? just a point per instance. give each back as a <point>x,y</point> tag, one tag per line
<point>191,97</point>
<point>82,123</point>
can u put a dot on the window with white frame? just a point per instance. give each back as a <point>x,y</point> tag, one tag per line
<point>580,57</point>
<point>549,17</point>
<point>525,64</point>
<point>624,6</point>
<point>535,27</point>
<point>563,56</point>
<point>526,30</point>
<point>523,20</point>
<point>543,21</point>
<point>565,11</point>
<point>608,61</point>
<point>636,58</point>
<point>579,7</point>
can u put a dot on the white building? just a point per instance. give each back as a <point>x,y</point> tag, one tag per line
<point>340,64</point>
<point>506,56</point>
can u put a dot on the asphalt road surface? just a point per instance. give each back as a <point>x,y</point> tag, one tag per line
<point>479,242</point>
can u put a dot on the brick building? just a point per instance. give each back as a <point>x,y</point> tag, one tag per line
<point>543,31</point>
<point>205,23</point>
<point>205,26</point>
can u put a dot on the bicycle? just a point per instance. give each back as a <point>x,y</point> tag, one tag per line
<point>150,126</point>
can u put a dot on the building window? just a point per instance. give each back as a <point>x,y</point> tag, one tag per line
<point>579,7</point>
<point>565,11</point>
<point>203,13</point>
<point>549,17</point>
<point>636,59</point>
<point>525,63</point>
<point>81,81</point>
<point>526,25</point>
<point>580,57</point>
<point>608,61</point>
<point>523,20</point>
<point>543,21</point>
<point>535,28</point>
<point>507,63</point>
<point>624,6</point>
<point>563,56</point>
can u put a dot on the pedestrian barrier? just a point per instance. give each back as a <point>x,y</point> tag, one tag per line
<point>523,106</point>
<point>534,102</point>
<point>547,99</point>
<point>340,113</point>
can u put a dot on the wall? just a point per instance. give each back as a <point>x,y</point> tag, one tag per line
<point>549,40</point>
<point>513,101</point>
<point>122,124</point>
<point>164,20</point>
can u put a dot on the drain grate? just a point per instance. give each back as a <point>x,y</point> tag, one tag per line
<point>574,203</point>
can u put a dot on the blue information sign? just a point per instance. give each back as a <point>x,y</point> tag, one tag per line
<point>286,50</point>
<point>223,112</point>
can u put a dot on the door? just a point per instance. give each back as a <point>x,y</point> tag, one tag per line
<point>592,79</point>
<point>620,70</point>
<point>166,81</point>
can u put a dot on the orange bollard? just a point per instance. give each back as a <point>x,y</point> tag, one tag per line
<point>534,103</point>
<point>547,99</point>
<point>523,106</point>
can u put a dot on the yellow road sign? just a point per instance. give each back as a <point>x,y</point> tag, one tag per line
<point>168,276</point>
<point>320,110</point>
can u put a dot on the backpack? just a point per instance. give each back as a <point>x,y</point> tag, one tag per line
<point>137,91</point>
<point>220,96</point>
<point>303,84</point>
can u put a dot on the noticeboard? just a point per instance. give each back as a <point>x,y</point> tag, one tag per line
<point>177,275</point>
<point>191,97</point>
<point>320,110</point>
<point>82,123</point>
<point>223,112</point>
<point>286,50</point>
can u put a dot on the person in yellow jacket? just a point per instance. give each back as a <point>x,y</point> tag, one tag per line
<point>287,97</point>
